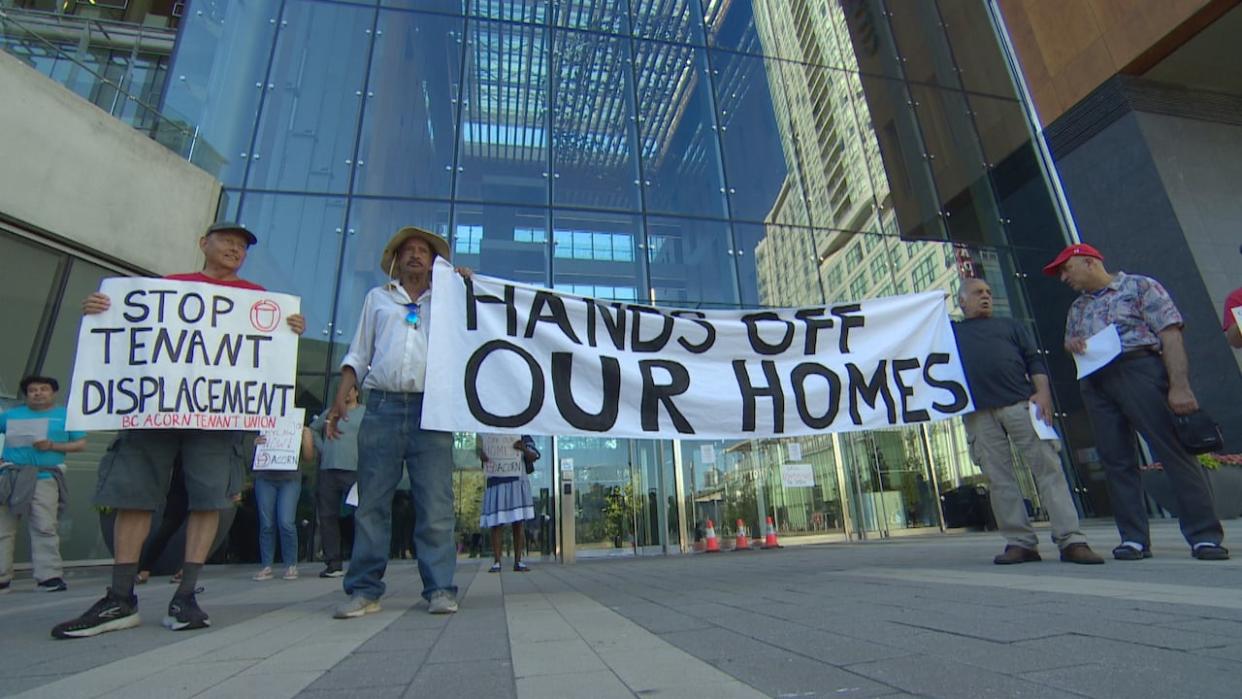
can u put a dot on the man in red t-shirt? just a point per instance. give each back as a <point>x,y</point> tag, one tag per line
<point>135,472</point>
<point>1230,324</point>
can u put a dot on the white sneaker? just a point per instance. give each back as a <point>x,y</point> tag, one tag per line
<point>265,574</point>
<point>291,573</point>
<point>442,602</point>
<point>356,606</point>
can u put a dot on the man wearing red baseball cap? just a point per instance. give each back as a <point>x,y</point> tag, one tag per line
<point>1142,389</point>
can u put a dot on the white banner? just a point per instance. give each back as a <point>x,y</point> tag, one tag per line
<point>184,355</point>
<point>507,357</point>
<point>282,444</point>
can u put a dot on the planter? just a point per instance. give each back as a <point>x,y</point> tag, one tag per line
<point>170,560</point>
<point>1226,490</point>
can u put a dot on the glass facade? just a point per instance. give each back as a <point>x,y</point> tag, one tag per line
<point>691,153</point>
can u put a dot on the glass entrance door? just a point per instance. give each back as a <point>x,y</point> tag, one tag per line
<point>889,480</point>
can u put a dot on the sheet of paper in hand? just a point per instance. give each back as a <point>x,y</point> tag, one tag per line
<point>281,444</point>
<point>24,433</point>
<point>502,459</point>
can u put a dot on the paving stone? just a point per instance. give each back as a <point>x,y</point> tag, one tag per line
<point>370,670</point>
<point>472,679</point>
<point>491,645</point>
<point>937,677</point>
<point>778,673</point>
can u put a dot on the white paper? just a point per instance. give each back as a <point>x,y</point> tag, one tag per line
<point>1042,429</point>
<point>567,466</point>
<point>502,459</point>
<point>24,433</point>
<point>795,451</point>
<point>351,498</point>
<point>1237,316</point>
<point>1102,348</point>
<point>282,444</point>
<point>797,476</point>
<point>707,453</point>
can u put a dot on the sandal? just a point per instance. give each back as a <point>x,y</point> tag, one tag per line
<point>142,577</point>
<point>521,568</point>
<point>495,567</point>
<point>176,578</point>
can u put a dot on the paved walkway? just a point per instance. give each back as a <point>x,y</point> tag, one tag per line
<point>906,617</point>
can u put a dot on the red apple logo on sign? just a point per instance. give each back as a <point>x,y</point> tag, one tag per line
<point>265,315</point>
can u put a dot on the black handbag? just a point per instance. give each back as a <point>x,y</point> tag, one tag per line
<point>528,445</point>
<point>1198,432</point>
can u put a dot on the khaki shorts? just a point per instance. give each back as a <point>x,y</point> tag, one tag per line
<point>135,472</point>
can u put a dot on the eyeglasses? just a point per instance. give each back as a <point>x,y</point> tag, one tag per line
<point>411,314</point>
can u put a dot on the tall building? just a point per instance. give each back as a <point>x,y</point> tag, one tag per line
<point>692,153</point>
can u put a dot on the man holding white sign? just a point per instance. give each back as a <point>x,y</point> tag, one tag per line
<point>389,354</point>
<point>135,473</point>
<point>1142,389</point>
<point>1007,376</point>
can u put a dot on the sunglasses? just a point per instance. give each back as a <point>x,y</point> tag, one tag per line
<point>411,314</point>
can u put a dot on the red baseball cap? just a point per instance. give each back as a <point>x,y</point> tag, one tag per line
<point>1077,249</point>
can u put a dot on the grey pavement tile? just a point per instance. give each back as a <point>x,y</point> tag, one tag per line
<point>1230,652</point>
<point>1005,658</point>
<point>600,684</point>
<point>472,679</point>
<point>370,670</point>
<point>492,645</point>
<point>15,685</point>
<point>778,673</point>
<point>1106,681</point>
<point>1143,634</point>
<point>1218,627</point>
<point>404,640</point>
<point>658,619</point>
<point>393,692</point>
<point>714,643</point>
<point>827,647</point>
<point>555,658</point>
<point>937,677</point>
<point>711,690</point>
<point>1121,654</point>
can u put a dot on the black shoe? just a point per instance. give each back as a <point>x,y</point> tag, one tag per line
<point>331,571</point>
<point>52,585</point>
<point>1129,553</point>
<point>1210,552</point>
<point>4,587</point>
<point>184,614</point>
<point>112,613</point>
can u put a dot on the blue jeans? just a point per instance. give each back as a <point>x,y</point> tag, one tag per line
<point>277,501</point>
<point>390,435</point>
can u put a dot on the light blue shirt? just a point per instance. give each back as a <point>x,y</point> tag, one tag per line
<point>50,422</point>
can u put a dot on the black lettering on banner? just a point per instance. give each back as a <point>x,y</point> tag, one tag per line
<point>123,387</point>
<point>960,397</point>
<point>656,394</point>
<point>709,330</point>
<point>199,311</point>
<point>133,300</point>
<point>255,342</point>
<point>90,389</point>
<point>750,393</point>
<point>562,392</point>
<point>814,324</point>
<point>220,306</point>
<point>655,344</point>
<point>473,366</point>
<point>472,310</point>
<point>760,345</point>
<point>107,336</point>
<point>845,313</point>
<point>230,345</point>
<point>163,344</point>
<point>799,377</point>
<point>549,308</point>
<point>613,322</point>
<point>870,391</point>
<point>135,344</point>
<point>908,416</point>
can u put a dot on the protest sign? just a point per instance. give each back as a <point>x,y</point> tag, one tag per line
<point>506,357</point>
<point>281,444</point>
<point>797,476</point>
<point>502,459</point>
<point>184,355</point>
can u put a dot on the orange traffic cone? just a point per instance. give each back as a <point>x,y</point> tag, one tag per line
<point>742,543</point>
<point>769,540</point>
<point>713,546</point>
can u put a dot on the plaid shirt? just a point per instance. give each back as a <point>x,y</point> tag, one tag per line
<point>1138,305</point>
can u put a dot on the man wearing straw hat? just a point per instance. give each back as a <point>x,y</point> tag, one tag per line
<point>389,353</point>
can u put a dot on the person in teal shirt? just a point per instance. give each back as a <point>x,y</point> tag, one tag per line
<point>32,481</point>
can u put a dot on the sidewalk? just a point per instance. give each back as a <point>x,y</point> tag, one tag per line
<point>905,617</point>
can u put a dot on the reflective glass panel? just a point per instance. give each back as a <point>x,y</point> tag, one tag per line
<point>598,254</point>
<point>679,21</point>
<point>510,242</point>
<point>218,77</point>
<point>981,66</point>
<point>608,16</point>
<point>692,262</point>
<point>308,125</point>
<point>529,11</point>
<point>30,271</point>
<point>594,156</point>
<point>677,131</point>
<point>777,265</point>
<point>503,156</point>
<point>407,138</point>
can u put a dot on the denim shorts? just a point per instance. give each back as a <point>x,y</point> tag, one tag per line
<point>135,472</point>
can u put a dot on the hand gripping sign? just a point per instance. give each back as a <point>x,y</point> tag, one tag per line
<point>184,355</point>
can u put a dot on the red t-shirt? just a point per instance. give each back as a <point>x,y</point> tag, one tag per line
<point>200,277</point>
<point>1232,301</point>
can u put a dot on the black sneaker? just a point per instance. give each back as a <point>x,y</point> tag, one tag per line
<point>184,614</point>
<point>52,585</point>
<point>331,572</point>
<point>112,613</point>
<point>4,587</point>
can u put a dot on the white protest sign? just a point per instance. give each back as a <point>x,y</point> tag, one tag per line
<point>797,476</point>
<point>707,453</point>
<point>184,355</point>
<point>282,444</point>
<point>502,459</point>
<point>795,451</point>
<point>507,357</point>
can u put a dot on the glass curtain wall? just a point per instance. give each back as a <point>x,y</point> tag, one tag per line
<point>692,153</point>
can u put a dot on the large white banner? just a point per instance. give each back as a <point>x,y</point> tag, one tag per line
<point>184,355</point>
<point>506,357</point>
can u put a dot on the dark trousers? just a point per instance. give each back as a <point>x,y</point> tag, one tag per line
<point>1131,394</point>
<point>330,492</point>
